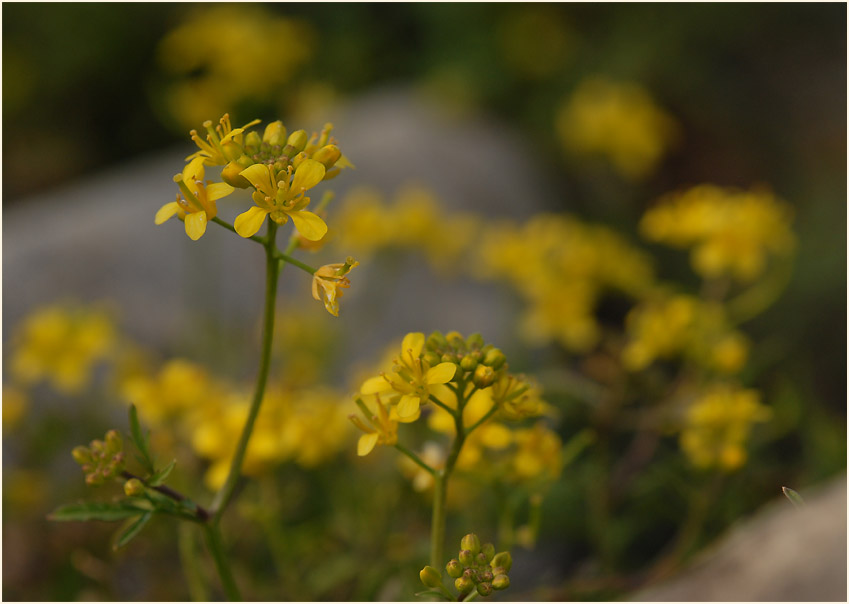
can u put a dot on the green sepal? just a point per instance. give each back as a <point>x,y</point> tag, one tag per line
<point>433,592</point>
<point>107,512</point>
<point>132,529</point>
<point>794,497</point>
<point>160,475</point>
<point>141,440</point>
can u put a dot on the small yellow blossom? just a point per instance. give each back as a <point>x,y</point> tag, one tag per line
<point>717,426</point>
<point>282,199</point>
<point>383,429</point>
<point>412,378</point>
<point>538,455</point>
<point>618,121</point>
<point>61,344</point>
<point>223,143</point>
<point>197,204</point>
<point>331,279</point>
<point>730,232</point>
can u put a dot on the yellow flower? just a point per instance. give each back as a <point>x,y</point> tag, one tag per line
<point>223,144</point>
<point>412,380</point>
<point>281,200</point>
<point>717,426</point>
<point>197,205</point>
<point>14,406</point>
<point>539,453</point>
<point>383,429</point>
<point>330,278</point>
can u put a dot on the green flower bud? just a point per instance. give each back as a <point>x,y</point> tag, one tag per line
<point>455,340</point>
<point>133,487</point>
<point>327,155</point>
<point>488,550</point>
<point>463,585</point>
<point>430,576</point>
<point>501,582</point>
<point>81,455</point>
<point>474,341</point>
<point>481,560</point>
<point>436,340</point>
<point>275,134</point>
<point>432,358</point>
<point>466,558</point>
<point>504,560</point>
<point>484,376</point>
<point>252,141</point>
<point>295,143</point>
<point>486,575</point>
<point>97,448</point>
<point>468,363</point>
<point>448,358</point>
<point>94,479</point>
<point>454,568</point>
<point>495,359</point>
<point>113,441</point>
<point>484,589</point>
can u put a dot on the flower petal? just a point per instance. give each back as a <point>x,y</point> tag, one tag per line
<point>441,374</point>
<point>193,171</point>
<point>408,406</point>
<point>308,224</point>
<point>308,175</point>
<point>367,443</point>
<point>259,175</point>
<point>166,212</point>
<point>248,223</point>
<point>217,190</point>
<point>195,225</point>
<point>375,385</point>
<point>415,342</point>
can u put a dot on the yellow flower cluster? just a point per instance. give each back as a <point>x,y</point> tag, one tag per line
<point>223,55</point>
<point>717,426</point>
<point>673,325</point>
<point>306,425</point>
<point>61,344</point>
<point>731,232</point>
<point>561,266</point>
<point>618,121</point>
<point>415,220</point>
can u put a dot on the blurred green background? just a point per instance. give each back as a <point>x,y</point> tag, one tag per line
<point>757,92</point>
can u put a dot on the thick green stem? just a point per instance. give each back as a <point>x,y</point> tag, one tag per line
<point>213,542</point>
<point>189,561</point>
<point>225,494</point>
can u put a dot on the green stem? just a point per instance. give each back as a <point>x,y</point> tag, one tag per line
<point>415,458</point>
<point>189,562</point>
<point>213,541</point>
<point>287,258</point>
<point>225,494</point>
<point>259,239</point>
<point>489,413</point>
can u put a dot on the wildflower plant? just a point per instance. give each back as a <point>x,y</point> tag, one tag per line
<point>280,168</point>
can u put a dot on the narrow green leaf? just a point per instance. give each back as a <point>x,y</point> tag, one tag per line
<point>794,497</point>
<point>140,439</point>
<point>107,512</point>
<point>160,475</point>
<point>132,529</point>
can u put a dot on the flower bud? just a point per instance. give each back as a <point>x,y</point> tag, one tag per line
<point>484,376</point>
<point>474,341</point>
<point>488,550</point>
<point>448,358</point>
<point>295,143</point>
<point>430,576</point>
<point>432,358</point>
<point>502,559</point>
<point>436,340</point>
<point>94,479</point>
<point>230,175</point>
<point>468,363</point>
<point>456,341</point>
<point>133,487</point>
<point>454,568</point>
<point>501,582</point>
<point>486,575</point>
<point>484,589</point>
<point>463,585</point>
<point>252,141</point>
<point>327,155</point>
<point>275,134</point>
<point>231,149</point>
<point>466,557</point>
<point>81,455</point>
<point>480,559</point>
<point>494,358</point>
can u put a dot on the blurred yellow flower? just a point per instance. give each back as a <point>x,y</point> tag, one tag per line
<point>383,429</point>
<point>14,406</point>
<point>619,121</point>
<point>717,425</point>
<point>197,204</point>
<point>730,232</point>
<point>282,199</point>
<point>61,343</point>
<point>538,455</point>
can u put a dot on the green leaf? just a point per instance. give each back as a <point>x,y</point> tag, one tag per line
<point>140,439</point>
<point>132,529</point>
<point>107,512</point>
<point>794,497</point>
<point>160,475</point>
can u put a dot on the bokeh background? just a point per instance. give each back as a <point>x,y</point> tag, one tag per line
<point>494,112</point>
